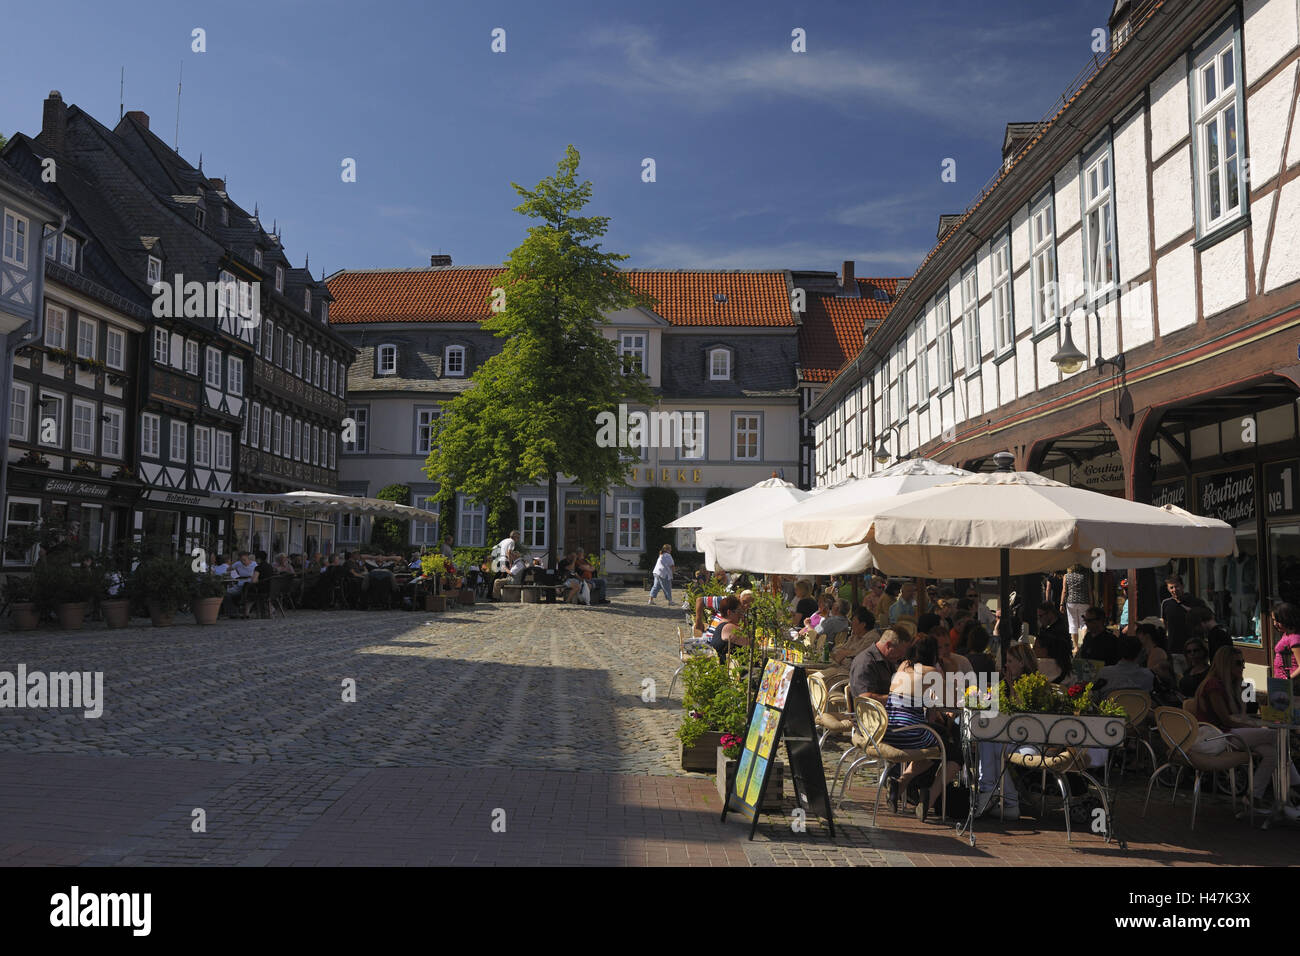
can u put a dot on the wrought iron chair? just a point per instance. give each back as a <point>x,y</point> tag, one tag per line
<point>872,721</point>
<point>686,649</point>
<point>1179,730</point>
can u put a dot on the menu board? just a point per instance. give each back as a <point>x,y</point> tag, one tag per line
<point>782,710</point>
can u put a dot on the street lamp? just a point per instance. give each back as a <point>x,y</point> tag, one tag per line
<point>1069,359</point>
<point>882,455</point>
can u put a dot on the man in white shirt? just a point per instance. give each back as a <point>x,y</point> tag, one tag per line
<point>509,549</point>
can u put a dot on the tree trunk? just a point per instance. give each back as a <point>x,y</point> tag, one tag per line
<point>553,519</point>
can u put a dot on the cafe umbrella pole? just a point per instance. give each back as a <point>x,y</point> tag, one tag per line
<point>1005,462</point>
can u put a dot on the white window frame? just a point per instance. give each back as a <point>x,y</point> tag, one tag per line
<point>1004,328</point>
<point>315,369</point>
<point>386,360</point>
<point>470,517</point>
<point>424,534</point>
<point>10,525</point>
<point>17,228</point>
<point>203,446</point>
<point>212,367</point>
<point>277,435</point>
<point>629,510</point>
<point>235,375</point>
<point>922,368</point>
<point>268,340</point>
<point>297,439</point>
<point>56,339</point>
<point>943,342</point>
<point>361,415</point>
<point>68,251</point>
<point>114,342</point>
<point>279,278</point>
<point>150,428</point>
<point>325,312</point>
<point>255,425</point>
<point>694,441</point>
<point>84,349</point>
<point>723,374</point>
<point>85,446</point>
<point>257,258</point>
<point>1097,186</point>
<point>970,317</point>
<point>58,418</point>
<point>315,445</point>
<point>112,428</point>
<point>1211,117</point>
<point>191,357</point>
<point>297,358</point>
<point>20,410</point>
<point>425,416</point>
<point>633,345</point>
<point>454,369</point>
<point>153,272</point>
<point>223,451</point>
<point>1042,262</point>
<point>178,442</point>
<point>533,511</point>
<point>686,536</point>
<point>306,362</point>
<point>266,428</point>
<point>753,425</point>
<point>306,301</point>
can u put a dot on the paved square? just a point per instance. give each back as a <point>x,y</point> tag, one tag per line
<point>494,734</point>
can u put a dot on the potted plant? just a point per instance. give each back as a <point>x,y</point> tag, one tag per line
<point>165,583</point>
<point>18,594</point>
<point>115,596</point>
<point>34,459</point>
<point>64,583</point>
<point>84,467</point>
<point>209,592</point>
<point>1035,711</point>
<point>715,705</point>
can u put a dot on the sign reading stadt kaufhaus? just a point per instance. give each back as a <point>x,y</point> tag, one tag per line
<point>1228,496</point>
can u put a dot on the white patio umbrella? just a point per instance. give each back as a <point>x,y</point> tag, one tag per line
<point>768,495</point>
<point>309,501</point>
<point>1012,523</point>
<point>758,545</point>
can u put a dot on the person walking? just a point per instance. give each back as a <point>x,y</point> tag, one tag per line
<point>1075,600</point>
<point>663,575</point>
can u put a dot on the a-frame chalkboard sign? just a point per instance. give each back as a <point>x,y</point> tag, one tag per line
<point>782,710</point>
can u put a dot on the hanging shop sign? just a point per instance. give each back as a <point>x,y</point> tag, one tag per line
<point>1103,473</point>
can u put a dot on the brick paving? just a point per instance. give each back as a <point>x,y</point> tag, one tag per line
<point>490,735</point>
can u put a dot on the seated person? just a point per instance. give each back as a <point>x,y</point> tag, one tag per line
<point>282,565</point>
<point>1020,661</point>
<point>908,712</point>
<point>220,566</point>
<point>567,576</point>
<point>260,588</point>
<point>1127,674</point>
<point>516,576</point>
<point>824,604</point>
<point>1051,623</point>
<point>1052,649</point>
<point>724,631</point>
<point>873,669</point>
<point>242,574</point>
<point>588,572</point>
<point>977,642</point>
<point>860,636</point>
<point>1099,644</point>
<point>707,607</point>
<point>831,626</point>
<point>353,579</point>
<point>1198,665</point>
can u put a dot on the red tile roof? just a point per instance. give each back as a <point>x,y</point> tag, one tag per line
<point>831,333</point>
<point>463,294</point>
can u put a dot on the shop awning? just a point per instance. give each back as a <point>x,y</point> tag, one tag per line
<point>317,501</point>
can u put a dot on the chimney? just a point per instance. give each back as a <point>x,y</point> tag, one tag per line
<point>54,122</point>
<point>140,116</point>
<point>439,260</point>
<point>846,277</point>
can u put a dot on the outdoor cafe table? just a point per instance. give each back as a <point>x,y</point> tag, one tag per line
<point>1281,768</point>
<point>1041,732</point>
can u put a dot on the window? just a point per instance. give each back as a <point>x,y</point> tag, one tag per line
<point>246,299</point>
<point>21,513</point>
<point>178,441</point>
<point>360,443</point>
<point>110,434</point>
<point>1042,263</point>
<point>235,375</point>
<point>83,427</point>
<point>114,347</point>
<point>349,529</point>
<point>279,347</point>
<point>289,343</point>
<point>693,439</point>
<point>192,357</point>
<point>325,312</point>
<point>943,340</point>
<point>629,512</point>
<point>297,358</point>
<point>970,318</point>
<point>56,327</point>
<point>333,385</point>
<point>279,278</point>
<point>227,292</point>
<point>922,369</point>
<point>315,370</point>
<point>296,430</point>
<point>15,242</point>
<point>454,360</point>
<point>470,523</point>
<point>900,392</point>
<point>51,421</point>
<point>268,339</point>
<point>161,346</point>
<point>425,533</point>
<point>686,536</point>
<point>225,216</point>
<point>306,361</point>
<point>255,425</point>
<point>203,446</point>
<point>424,419</point>
<point>387,362</point>
<point>51,243</point>
<point>631,348</point>
<point>68,252</point>
<point>257,258</point>
<point>224,444</point>
<point>1004,332</point>
<point>213,365</point>
<point>315,444</point>
<point>333,446</point>
<point>1098,224</point>
<point>719,365</point>
<point>534,523</point>
<point>747,445</point>
<point>150,435</point>
<point>154,272</point>
<point>306,301</point>
<point>266,429</point>
<point>1216,102</point>
<point>200,217</point>
<point>20,399</point>
<point>276,434</point>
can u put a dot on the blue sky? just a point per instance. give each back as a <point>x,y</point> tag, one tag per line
<point>765,158</point>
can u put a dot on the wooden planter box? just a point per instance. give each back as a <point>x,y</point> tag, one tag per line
<point>466,596</point>
<point>435,602</point>
<point>772,793</point>
<point>1058,730</point>
<point>702,756</point>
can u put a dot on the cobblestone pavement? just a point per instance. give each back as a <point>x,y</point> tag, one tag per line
<point>494,734</point>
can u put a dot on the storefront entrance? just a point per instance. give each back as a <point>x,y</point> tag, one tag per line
<point>581,523</point>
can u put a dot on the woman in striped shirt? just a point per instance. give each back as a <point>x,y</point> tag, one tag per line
<point>907,730</point>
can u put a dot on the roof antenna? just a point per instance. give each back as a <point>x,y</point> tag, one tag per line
<point>200,162</point>
<point>176,146</point>
<point>121,96</point>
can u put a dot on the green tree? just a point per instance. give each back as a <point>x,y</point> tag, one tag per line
<point>531,414</point>
<point>389,534</point>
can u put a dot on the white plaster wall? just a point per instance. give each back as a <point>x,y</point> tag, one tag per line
<point>1067,196</point>
<point>1169,121</point>
<point>1267,113</point>
<point>1006,376</point>
<point>1137,324</point>
<point>1284,259</point>
<point>1171,184</point>
<point>1043,352</point>
<point>1020,238</point>
<point>1069,267</point>
<point>988,341</point>
<point>1109,336</point>
<point>1022,305</point>
<point>1269,34</point>
<point>974,405</point>
<point>1223,274</point>
<point>1176,287</point>
<point>1260,210</point>
<point>1024,361</point>
<point>984,270</point>
<point>988,381</point>
<point>1131,197</point>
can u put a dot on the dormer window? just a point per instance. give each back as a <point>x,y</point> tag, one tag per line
<point>719,365</point>
<point>453,361</point>
<point>68,252</point>
<point>325,312</point>
<point>631,348</point>
<point>306,301</point>
<point>155,270</point>
<point>387,364</point>
<point>200,217</point>
<point>225,216</point>
<point>279,279</point>
<point>257,258</point>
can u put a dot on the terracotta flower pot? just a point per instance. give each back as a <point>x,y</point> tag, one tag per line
<point>71,615</point>
<point>161,617</point>
<point>206,610</point>
<point>466,596</point>
<point>117,613</point>
<point>25,616</point>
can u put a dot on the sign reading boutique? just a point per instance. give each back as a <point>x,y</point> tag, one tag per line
<point>1228,496</point>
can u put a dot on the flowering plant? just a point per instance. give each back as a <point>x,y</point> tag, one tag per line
<point>1034,694</point>
<point>731,745</point>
